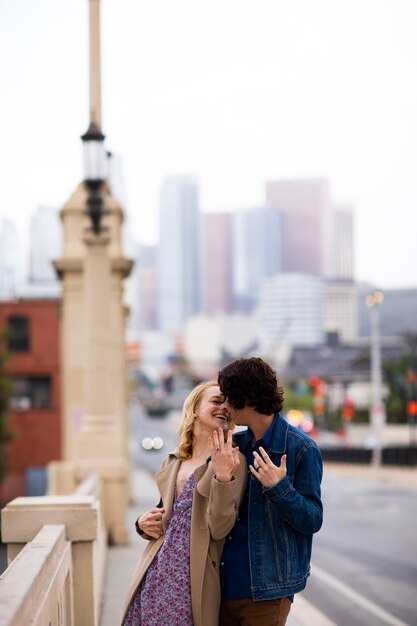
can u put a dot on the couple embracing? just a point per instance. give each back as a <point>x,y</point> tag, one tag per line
<point>230,540</point>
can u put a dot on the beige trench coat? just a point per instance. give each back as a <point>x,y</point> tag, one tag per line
<point>214,511</point>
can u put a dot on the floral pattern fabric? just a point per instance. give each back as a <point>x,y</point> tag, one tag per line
<point>164,596</point>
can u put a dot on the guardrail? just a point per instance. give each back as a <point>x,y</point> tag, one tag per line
<point>56,553</point>
<point>391,455</point>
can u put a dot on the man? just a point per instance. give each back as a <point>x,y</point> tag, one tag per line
<point>266,558</point>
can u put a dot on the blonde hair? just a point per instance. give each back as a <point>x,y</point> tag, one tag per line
<point>185,433</point>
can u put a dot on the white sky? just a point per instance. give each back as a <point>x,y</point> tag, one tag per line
<point>233,91</point>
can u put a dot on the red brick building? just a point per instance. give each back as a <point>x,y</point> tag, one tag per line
<point>34,370</point>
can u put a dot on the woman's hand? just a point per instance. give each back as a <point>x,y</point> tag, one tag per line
<point>224,457</point>
<point>150,523</point>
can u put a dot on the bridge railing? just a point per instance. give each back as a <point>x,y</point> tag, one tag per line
<point>56,548</point>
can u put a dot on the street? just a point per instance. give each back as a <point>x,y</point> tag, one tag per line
<point>364,566</point>
<point>368,544</point>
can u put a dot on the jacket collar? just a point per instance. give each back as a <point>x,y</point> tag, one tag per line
<point>278,439</point>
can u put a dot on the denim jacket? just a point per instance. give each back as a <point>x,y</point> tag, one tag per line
<point>283,518</point>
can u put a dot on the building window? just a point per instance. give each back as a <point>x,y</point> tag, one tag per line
<point>32,392</point>
<point>18,339</point>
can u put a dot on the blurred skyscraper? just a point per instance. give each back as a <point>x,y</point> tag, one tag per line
<point>341,293</point>
<point>45,241</point>
<point>291,312</point>
<point>342,243</point>
<point>217,236</point>
<point>179,253</point>
<point>257,253</point>
<point>10,259</point>
<point>341,310</point>
<point>142,292</point>
<point>306,224</point>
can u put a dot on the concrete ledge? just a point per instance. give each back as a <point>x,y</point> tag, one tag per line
<point>23,518</point>
<point>42,570</point>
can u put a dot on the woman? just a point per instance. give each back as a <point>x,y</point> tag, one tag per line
<point>201,485</point>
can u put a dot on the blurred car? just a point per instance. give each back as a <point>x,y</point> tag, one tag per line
<point>156,404</point>
<point>152,443</point>
<point>300,419</point>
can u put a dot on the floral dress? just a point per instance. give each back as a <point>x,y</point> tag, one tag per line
<point>164,596</point>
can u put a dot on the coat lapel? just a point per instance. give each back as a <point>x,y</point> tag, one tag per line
<point>203,476</point>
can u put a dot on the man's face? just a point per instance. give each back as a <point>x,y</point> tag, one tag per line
<point>239,416</point>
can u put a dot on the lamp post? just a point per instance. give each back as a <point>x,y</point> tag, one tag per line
<point>95,173</point>
<point>378,417</point>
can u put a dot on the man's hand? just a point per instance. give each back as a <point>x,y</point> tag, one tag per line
<point>265,471</point>
<point>150,523</point>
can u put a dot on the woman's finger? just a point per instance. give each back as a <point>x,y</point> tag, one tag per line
<point>221,438</point>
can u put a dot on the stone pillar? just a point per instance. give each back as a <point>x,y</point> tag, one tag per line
<point>101,441</point>
<point>70,268</point>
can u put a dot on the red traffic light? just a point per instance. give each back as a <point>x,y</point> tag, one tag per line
<point>314,381</point>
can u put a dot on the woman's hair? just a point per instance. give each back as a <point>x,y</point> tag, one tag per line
<point>185,433</point>
<point>251,382</point>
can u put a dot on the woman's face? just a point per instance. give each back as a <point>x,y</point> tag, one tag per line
<point>211,411</point>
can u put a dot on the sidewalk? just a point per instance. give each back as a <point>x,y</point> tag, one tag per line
<point>122,560</point>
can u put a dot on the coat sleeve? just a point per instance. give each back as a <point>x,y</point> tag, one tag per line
<point>299,503</point>
<point>224,501</point>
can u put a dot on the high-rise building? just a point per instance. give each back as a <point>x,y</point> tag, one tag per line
<point>306,224</point>
<point>217,233</point>
<point>341,309</point>
<point>179,262</point>
<point>142,292</point>
<point>291,311</point>
<point>10,274</point>
<point>257,253</point>
<point>45,244</point>
<point>342,243</point>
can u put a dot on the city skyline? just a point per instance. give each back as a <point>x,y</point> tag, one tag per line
<point>285,92</point>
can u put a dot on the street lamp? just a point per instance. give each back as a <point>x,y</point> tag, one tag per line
<point>378,417</point>
<point>95,173</point>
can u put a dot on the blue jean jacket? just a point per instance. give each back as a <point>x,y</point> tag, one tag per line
<point>283,518</point>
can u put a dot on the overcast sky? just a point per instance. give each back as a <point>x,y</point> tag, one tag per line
<point>235,92</point>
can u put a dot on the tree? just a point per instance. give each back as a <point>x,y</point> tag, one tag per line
<point>399,375</point>
<point>5,385</point>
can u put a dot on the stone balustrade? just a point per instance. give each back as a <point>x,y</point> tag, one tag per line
<point>56,554</point>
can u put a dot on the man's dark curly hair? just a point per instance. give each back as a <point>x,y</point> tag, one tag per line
<point>251,382</point>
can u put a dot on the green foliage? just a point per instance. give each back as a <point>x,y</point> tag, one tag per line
<point>400,390</point>
<point>294,400</point>
<point>5,434</point>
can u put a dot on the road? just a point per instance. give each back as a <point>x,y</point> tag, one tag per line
<point>365,556</point>
<point>364,566</point>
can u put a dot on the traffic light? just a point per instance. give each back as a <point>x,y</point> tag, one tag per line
<point>411,408</point>
<point>348,409</point>
<point>314,382</point>
<point>317,389</point>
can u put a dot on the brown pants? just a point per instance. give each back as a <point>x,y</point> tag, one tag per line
<point>247,612</point>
